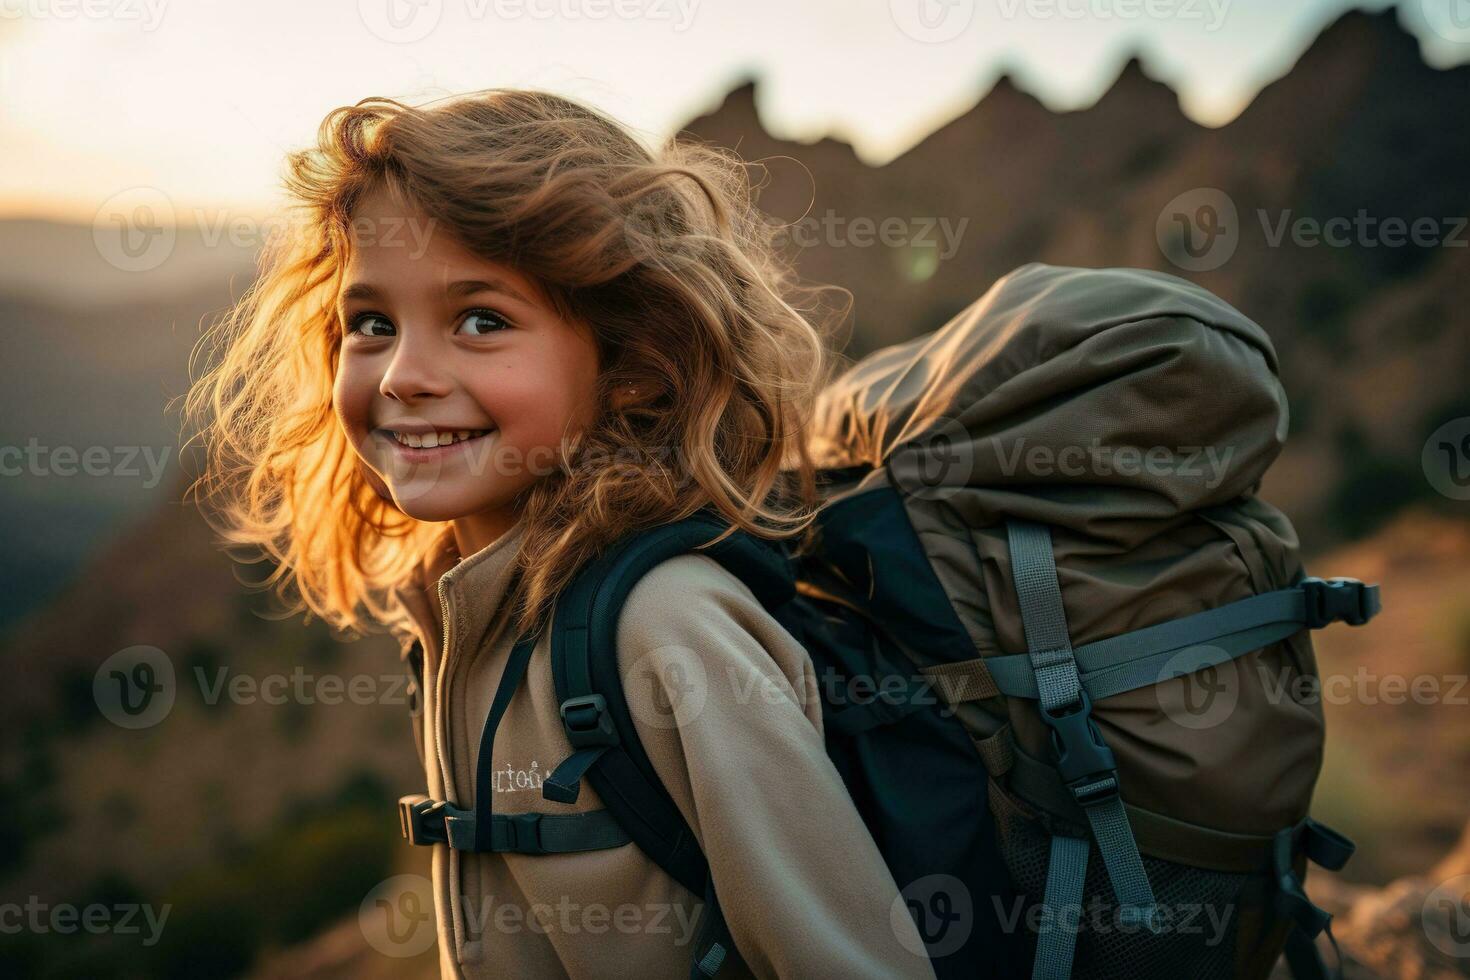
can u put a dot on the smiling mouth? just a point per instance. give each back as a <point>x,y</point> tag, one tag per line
<point>435,440</point>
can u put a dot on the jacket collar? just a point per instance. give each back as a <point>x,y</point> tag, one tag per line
<point>476,588</point>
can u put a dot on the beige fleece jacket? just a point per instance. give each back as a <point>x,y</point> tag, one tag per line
<point>804,889</point>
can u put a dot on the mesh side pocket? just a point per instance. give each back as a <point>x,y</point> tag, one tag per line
<point>1202,909</point>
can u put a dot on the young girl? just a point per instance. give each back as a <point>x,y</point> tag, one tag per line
<point>502,336</point>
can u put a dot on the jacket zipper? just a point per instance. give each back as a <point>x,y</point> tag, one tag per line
<point>444,651</point>
<point>446,670</point>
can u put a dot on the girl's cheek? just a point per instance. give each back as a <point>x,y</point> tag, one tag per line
<point>350,400</point>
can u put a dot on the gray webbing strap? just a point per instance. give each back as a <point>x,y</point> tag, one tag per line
<point>1013,676</point>
<point>1138,659</point>
<point>1056,940</point>
<point>1084,761</point>
<point>1049,646</point>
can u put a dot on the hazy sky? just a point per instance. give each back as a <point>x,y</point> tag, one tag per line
<point>198,100</point>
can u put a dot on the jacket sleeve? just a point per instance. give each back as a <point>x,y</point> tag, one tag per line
<point>725,702</point>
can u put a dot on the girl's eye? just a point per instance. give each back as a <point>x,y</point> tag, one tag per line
<point>479,323</point>
<point>370,325</point>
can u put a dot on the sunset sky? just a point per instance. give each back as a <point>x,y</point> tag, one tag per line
<point>200,99</point>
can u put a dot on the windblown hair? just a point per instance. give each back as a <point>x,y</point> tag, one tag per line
<point>665,256</point>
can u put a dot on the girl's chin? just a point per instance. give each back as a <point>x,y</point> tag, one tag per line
<point>435,504</point>
<point>441,500</point>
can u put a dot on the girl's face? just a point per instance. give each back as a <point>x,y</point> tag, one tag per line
<point>456,382</point>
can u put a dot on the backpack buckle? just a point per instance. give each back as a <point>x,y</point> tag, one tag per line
<point>517,832</point>
<point>1084,761</point>
<point>586,722</point>
<point>421,819</point>
<point>1338,600</point>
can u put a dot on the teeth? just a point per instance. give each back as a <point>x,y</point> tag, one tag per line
<point>433,439</point>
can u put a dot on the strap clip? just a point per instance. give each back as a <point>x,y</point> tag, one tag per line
<point>517,832</point>
<point>586,721</point>
<point>1324,846</point>
<point>421,819</point>
<point>1291,898</point>
<point>1084,761</point>
<point>1338,599</point>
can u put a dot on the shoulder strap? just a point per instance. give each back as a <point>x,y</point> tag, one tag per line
<point>594,711</point>
<point>413,692</point>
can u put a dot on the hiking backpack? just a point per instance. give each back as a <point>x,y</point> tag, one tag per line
<point>1063,647</point>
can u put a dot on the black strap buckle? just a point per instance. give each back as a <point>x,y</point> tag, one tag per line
<point>517,832</point>
<point>1338,599</point>
<point>421,819</point>
<point>587,722</point>
<point>1084,761</point>
<point>1324,846</point>
<point>1291,898</point>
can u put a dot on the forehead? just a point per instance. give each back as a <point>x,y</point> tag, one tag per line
<point>396,247</point>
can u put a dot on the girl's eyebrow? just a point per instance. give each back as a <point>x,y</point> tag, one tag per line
<point>462,287</point>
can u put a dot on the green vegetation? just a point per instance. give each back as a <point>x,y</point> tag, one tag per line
<point>316,865</point>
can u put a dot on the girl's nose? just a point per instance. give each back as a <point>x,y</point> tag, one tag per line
<point>416,371</point>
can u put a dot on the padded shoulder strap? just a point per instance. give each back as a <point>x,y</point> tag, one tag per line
<point>593,707</point>
<point>595,712</point>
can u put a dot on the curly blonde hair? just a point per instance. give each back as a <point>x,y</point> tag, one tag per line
<point>665,255</point>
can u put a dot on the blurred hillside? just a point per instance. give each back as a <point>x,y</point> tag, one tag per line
<point>93,355</point>
<point>1373,344</point>
<point>263,824</point>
